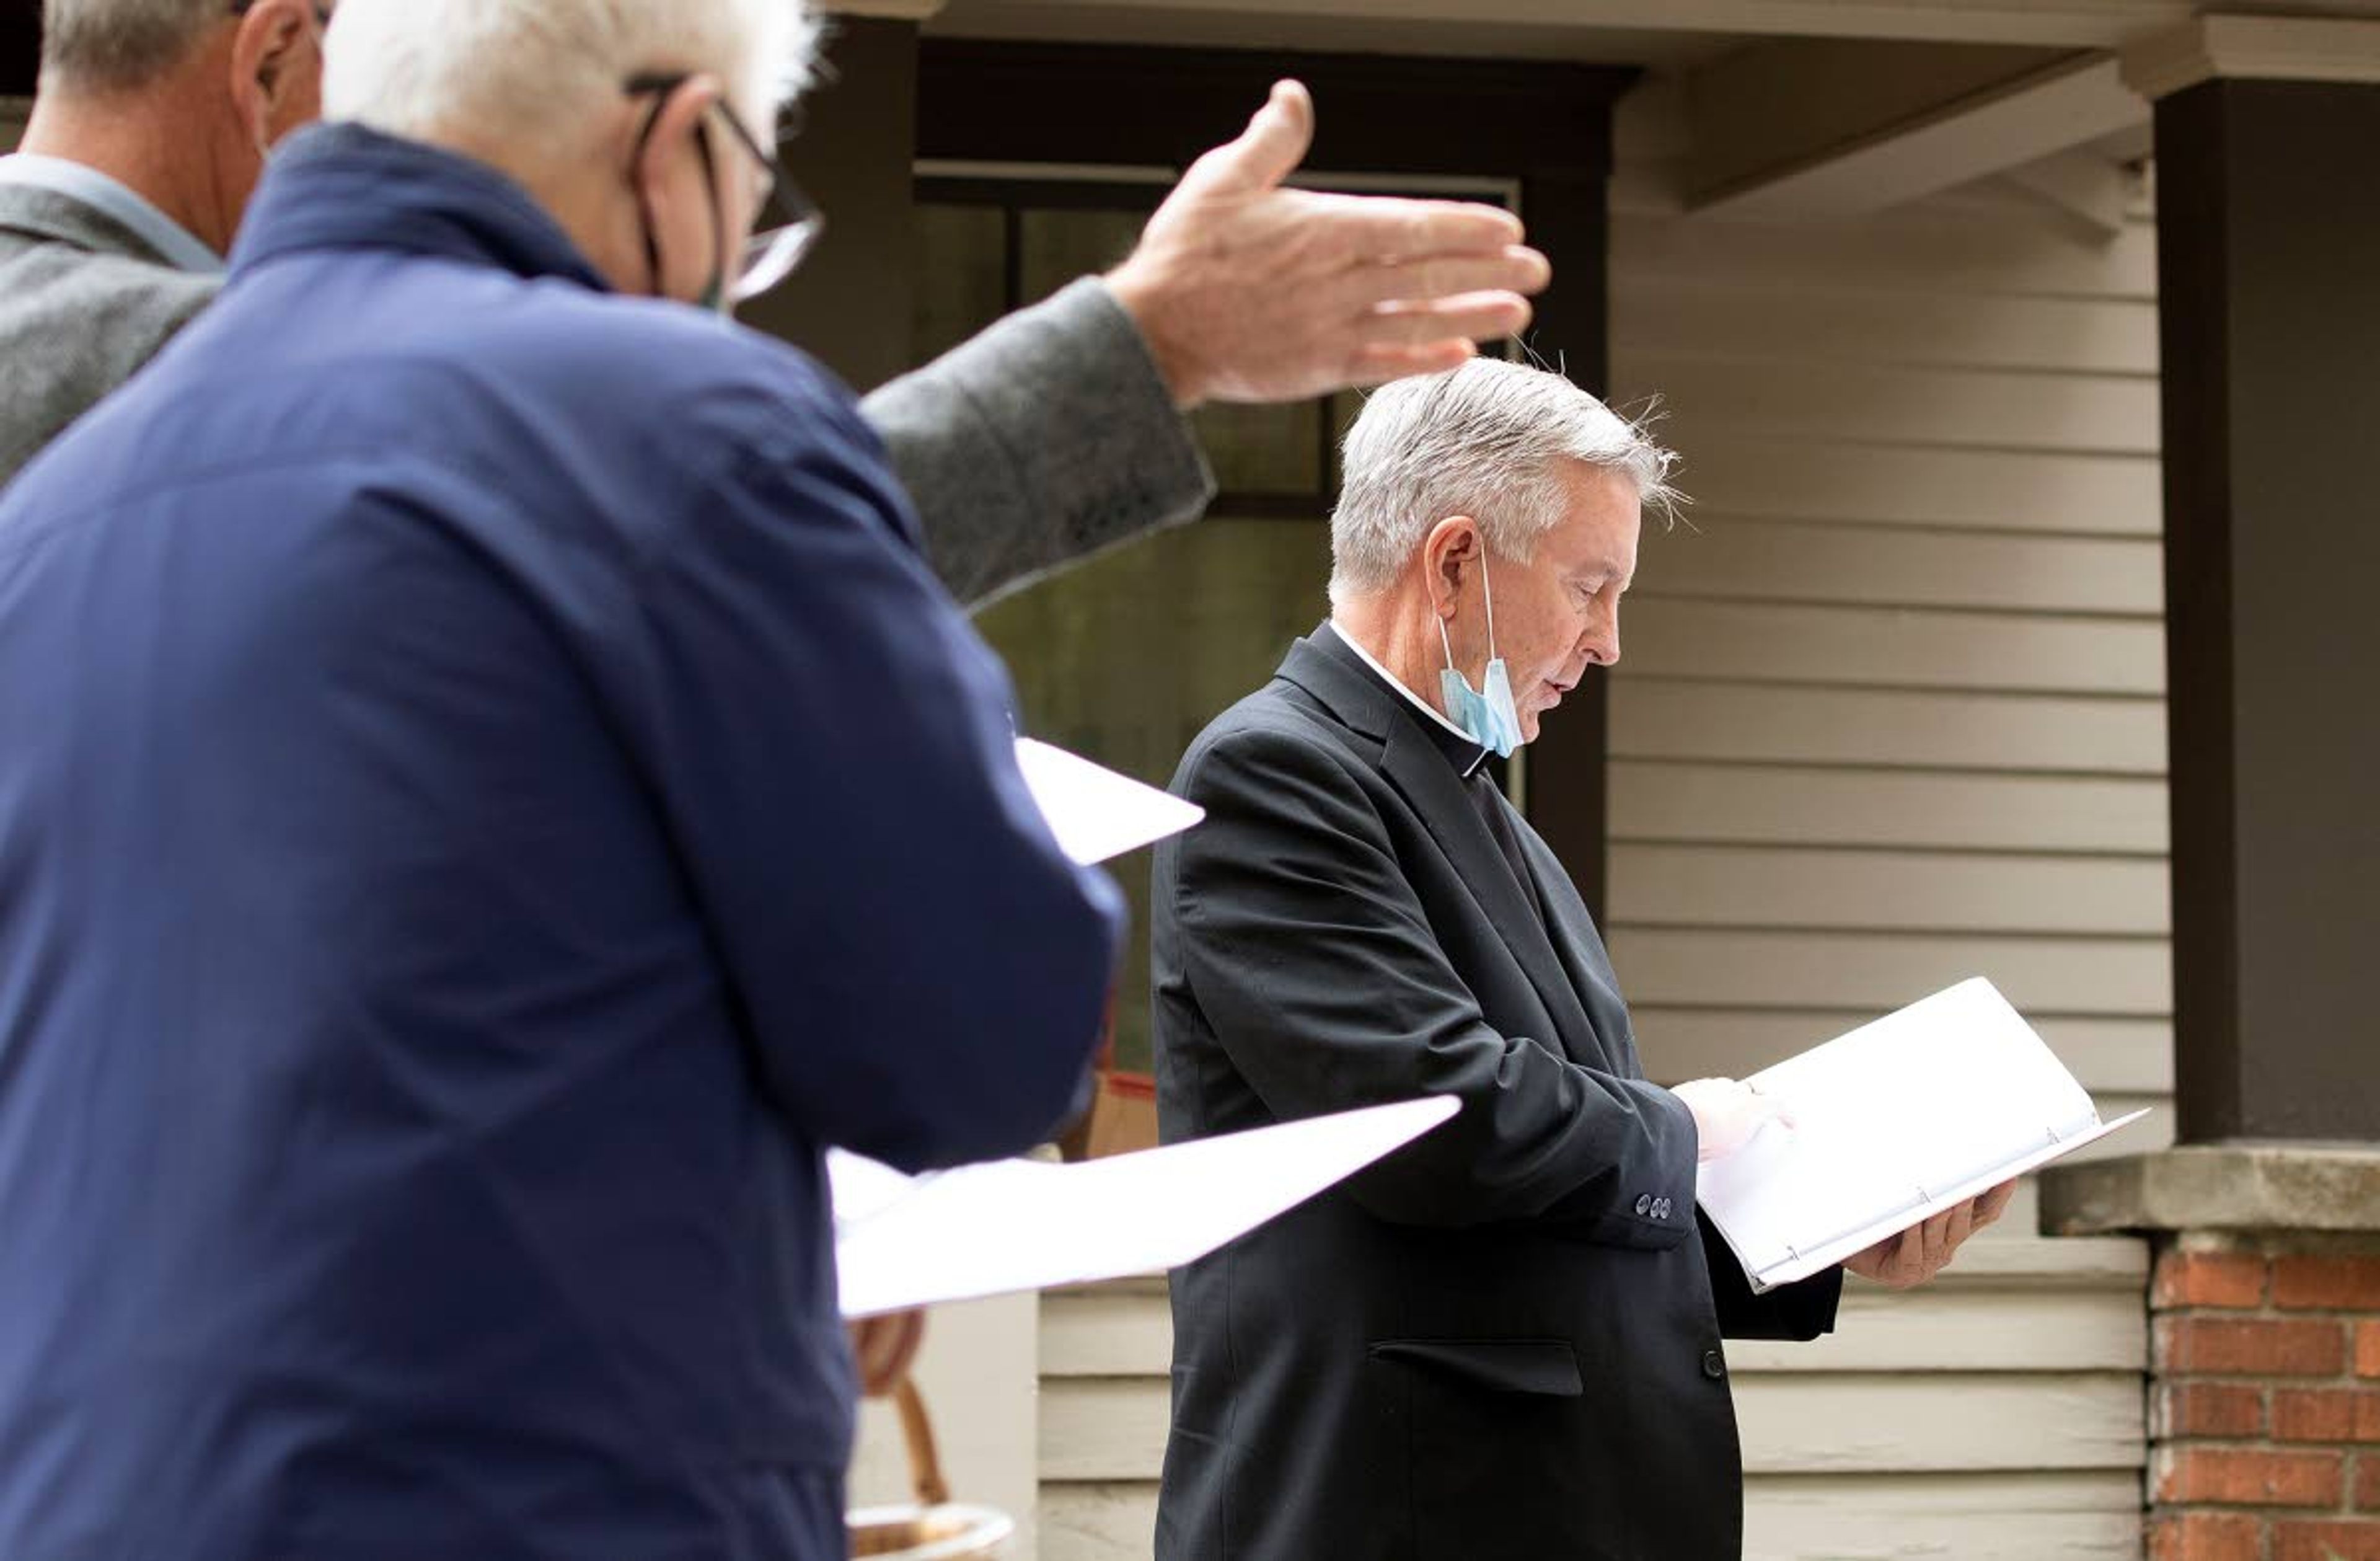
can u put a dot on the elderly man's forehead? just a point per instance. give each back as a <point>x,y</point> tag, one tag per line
<point>1602,520</point>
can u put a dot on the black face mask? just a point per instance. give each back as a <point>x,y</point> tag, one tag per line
<point>715,296</point>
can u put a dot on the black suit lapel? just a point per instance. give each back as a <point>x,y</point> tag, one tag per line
<point>1415,767</point>
<point>1580,947</point>
<point>1422,773</point>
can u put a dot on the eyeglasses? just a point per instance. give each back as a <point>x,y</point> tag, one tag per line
<point>789,224</point>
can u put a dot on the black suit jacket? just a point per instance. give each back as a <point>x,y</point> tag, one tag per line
<point>1503,1341</point>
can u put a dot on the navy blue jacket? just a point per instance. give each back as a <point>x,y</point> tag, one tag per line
<point>489,790</point>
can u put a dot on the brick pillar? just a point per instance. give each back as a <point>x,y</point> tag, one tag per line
<point>2265,1398</point>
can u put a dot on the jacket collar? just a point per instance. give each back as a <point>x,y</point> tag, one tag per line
<point>343,186</point>
<point>1433,781</point>
<point>58,199</point>
<point>1328,665</point>
<point>59,219</point>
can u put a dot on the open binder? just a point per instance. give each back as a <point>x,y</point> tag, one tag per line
<point>1894,1123</point>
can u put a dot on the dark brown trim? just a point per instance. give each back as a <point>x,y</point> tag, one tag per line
<point>1569,789</point>
<point>2193,344</point>
<point>851,304</point>
<point>1047,195</point>
<point>1054,103</point>
<point>20,50</point>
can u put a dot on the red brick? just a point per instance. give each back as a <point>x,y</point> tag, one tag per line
<point>2326,1414</point>
<point>2251,1477</point>
<point>2255,1347</point>
<point>2223,1279</point>
<point>2207,1408</point>
<point>2206,1536</point>
<point>2354,1539</point>
<point>2367,1482</point>
<point>2340,1284</point>
<point>2367,1349</point>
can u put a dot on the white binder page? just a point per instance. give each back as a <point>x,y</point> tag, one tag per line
<point>1094,813</point>
<point>1893,1122</point>
<point>1021,1225</point>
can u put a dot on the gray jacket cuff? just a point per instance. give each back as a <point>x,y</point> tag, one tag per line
<point>1039,441</point>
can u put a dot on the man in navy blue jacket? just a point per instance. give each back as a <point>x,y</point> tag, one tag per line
<point>489,789</point>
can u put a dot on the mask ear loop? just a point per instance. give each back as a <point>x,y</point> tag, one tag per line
<point>644,206</point>
<point>718,214</point>
<point>1446,644</point>
<point>1487,586</point>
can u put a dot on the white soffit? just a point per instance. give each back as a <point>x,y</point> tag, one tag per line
<point>2262,48</point>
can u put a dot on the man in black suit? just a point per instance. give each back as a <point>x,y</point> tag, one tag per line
<point>1504,1341</point>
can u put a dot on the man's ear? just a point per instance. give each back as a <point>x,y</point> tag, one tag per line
<point>276,68</point>
<point>668,177</point>
<point>1450,551</point>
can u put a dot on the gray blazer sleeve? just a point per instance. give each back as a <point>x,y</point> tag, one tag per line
<point>1039,442</point>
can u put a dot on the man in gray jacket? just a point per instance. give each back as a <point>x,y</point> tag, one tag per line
<point>1053,433</point>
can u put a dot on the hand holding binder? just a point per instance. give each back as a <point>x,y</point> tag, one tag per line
<point>1915,1255</point>
<point>1895,1123</point>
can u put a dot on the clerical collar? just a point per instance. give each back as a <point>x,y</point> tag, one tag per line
<point>1460,750</point>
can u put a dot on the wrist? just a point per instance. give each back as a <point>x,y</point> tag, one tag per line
<point>1141,292</point>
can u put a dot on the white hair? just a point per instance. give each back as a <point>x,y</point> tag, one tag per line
<point>541,73</point>
<point>1484,440</point>
<point>119,44</point>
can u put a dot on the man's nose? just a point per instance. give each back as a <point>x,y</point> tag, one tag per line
<point>1600,645</point>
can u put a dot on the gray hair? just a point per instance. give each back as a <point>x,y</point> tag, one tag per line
<point>113,46</point>
<point>1484,440</point>
<point>540,73</point>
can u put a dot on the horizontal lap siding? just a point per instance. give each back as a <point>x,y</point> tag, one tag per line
<point>1891,713</point>
<point>2036,1517</point>
<point>1872,1443</point>
<point>1802,1422</point>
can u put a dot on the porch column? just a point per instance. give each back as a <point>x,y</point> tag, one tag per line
<point>854,152</point>
<point>20,52</point>
<point>2265,1418</point>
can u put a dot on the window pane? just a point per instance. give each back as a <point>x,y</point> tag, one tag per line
<point>1263,449</point>
<point>1057,246</point>
<point>961,271</point>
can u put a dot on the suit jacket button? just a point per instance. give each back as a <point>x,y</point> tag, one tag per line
<point>1644,1203</point>
<point>1660,1208</point>
<point>1713,1364</point>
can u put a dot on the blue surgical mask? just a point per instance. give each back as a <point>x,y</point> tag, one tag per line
<point>1489,719</point>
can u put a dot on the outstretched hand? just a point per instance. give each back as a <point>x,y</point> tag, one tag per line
<point>1249,291</point>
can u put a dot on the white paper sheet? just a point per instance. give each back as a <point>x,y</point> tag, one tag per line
<point>1094,813</point>
<point>1022,1224</point>
<point>1894,1123</point>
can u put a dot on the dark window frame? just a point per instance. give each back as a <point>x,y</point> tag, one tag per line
<point>1014,195</point>
<point>20,52</point>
